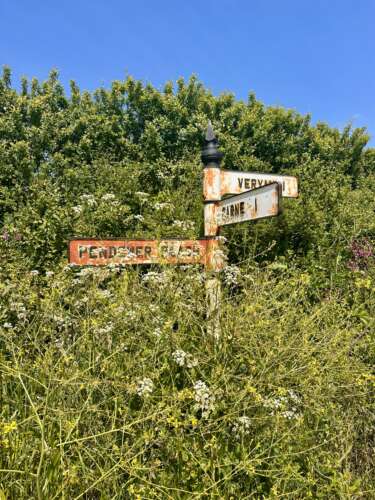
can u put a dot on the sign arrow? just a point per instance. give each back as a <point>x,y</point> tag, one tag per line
<point>233,182</point>
<point>251,205</point>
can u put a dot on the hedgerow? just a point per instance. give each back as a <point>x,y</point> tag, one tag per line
<point>111,386</point>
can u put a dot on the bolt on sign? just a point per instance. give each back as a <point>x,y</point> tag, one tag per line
<point>233,182</point>
<point>251,205</point>
<point>100,252</point>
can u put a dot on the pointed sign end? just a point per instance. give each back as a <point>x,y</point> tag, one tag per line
<point>210,136</point>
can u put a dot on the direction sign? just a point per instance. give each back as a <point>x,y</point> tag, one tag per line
<point>99,252</point>
<point>251,205</point>
<point>233,181</point>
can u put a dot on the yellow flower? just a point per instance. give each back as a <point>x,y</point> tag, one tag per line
<point>9,427</point>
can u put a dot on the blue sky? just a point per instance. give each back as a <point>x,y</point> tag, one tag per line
<point>313,56</point>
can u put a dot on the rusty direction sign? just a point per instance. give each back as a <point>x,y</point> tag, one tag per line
<point>233,182</point>
<point>251,205</point>
<point>99,252</point>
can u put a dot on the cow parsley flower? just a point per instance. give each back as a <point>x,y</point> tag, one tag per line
<point>231,275</point>
<point>89,199</point>
<point>145,387</point>
<point>241,427</point>
<point>184,359</point>
<point>204,398</point>
<point>108,197</point>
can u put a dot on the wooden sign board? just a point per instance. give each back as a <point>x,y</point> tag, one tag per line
<point>233,182</point>
<point>251,205</point>
<point>99,252</point>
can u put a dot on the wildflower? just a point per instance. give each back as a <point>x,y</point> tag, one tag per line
<point>204,398</point>
<point>145,387</point>
<point>241,427</point>
<point>154,277</point>
<point>106,329</point>
<point>231,275</point>
<point>141,195</point>
<point>9,427</point>
<point>5,235</point>
<point>138,217</point>
<point>182,358</point>
<point>290,414</point>
<point>162,206</point>
<point>34,272</point>
<point>157,332</point>
<point>49,274</point>
<point>184,225</point>
<point>89,199</point>
<point>7,325</point>
<point>108,197</point>
<point>77,209</point>
<point>105,294</point>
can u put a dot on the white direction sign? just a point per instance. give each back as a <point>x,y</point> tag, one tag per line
<point>251,205</point>
<point>234,181</point>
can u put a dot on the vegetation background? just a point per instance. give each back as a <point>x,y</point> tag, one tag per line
<point>110,387</point>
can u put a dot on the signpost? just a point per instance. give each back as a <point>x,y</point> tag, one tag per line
<point>255,195</point>
<point>250,205</point>
<point>233,182</point>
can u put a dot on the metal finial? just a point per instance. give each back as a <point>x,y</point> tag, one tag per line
<point>210,152</point>
<point>210,136</point>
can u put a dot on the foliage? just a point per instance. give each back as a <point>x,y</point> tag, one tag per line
<point>111,387</point>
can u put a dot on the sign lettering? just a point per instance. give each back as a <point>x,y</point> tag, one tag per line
<point>250,205</point>
<point>97,252</point>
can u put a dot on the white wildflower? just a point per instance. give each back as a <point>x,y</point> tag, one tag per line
<point>105,294</point>
<point>106,329</point>
<point>242,426</point>
<point>157,332</point>
<point>7,325</point>
<point>290,414</point>
<point>183,358</point>
<point>77,209</point>
<point>108,197</point>
<point>34,272</point>
<point>49,274</point>
<point>89,199</point>
<point>231,275</point>
<point>154,277</point>
<point>141,194</point>
<point>162,206</point>
<point>139,217</point>
<point>145,387</point>
<point>204,398</point>
<point>185,225</point>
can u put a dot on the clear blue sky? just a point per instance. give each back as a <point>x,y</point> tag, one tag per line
<point>315,56</point>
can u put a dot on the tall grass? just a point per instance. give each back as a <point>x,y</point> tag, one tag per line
<point>111,387</point>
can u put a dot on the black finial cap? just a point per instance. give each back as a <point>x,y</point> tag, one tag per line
<point>210,152</point>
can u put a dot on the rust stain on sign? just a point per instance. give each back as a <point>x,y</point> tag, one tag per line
<point>233,182</point>
<point>251,205</point>
<point>101,252</point>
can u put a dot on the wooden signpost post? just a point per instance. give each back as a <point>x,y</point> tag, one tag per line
<point>255,195</point>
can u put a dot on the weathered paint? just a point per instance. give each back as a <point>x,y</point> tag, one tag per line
<point>101,252</point>
<point>211,183</point>
<point>251,205</point>
<point>233,182</point>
